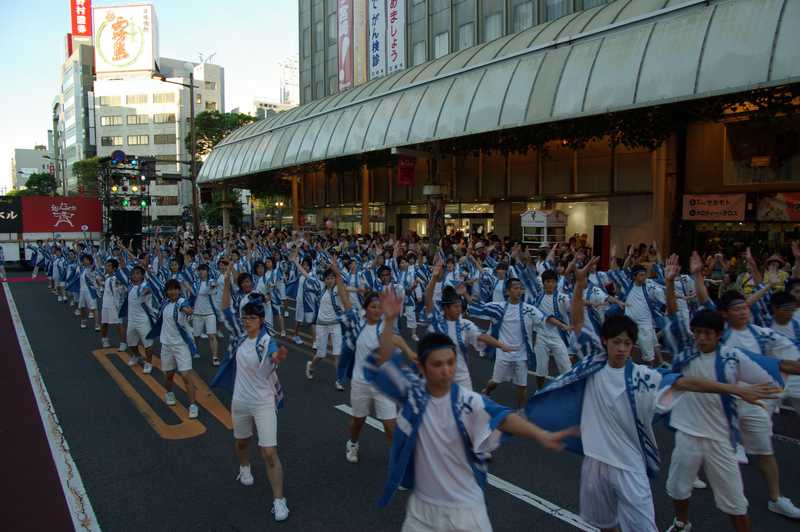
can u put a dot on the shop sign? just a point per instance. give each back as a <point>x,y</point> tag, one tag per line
<point>782,207</point>
<point>125,38</point>
<point>714,207</point>
<point>406,166</point>
<point>396,36</point>
<point>345,15</point>
<point>377,38</point>
<point>81,11</point>
<point>360,69</point>
<point>46,214</point>
<point>10,214</point>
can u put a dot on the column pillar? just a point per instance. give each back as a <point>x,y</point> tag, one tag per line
<point>364,199</point>
<point>660,214</point>
<point>295,203</point>
<point>226,212</point>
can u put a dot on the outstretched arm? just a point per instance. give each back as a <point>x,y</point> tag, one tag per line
<point>696,269</point>
<point>340,286</point>
<point>518,426</point>
<point>392,306</point>
<point>437,274</point>
<point>750,394</point>
<point>671,271</point>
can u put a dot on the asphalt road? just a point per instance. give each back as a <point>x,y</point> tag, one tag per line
<point>138,480</point>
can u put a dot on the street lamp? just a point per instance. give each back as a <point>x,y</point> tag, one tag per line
<point>279,204</point>
<point>193,173</point>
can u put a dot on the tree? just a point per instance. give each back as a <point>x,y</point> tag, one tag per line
<point>211,127</point>
<point>87,171</point>
<point>40,184</point>
<point>212,212</point>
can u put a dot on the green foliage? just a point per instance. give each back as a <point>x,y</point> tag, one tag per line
<point>87,172</point>
<point>40,184</point>
<point>212,127</point>
<point>212,212</point>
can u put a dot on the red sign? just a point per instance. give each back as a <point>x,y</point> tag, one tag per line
<point>345,15</point>
<point>54,214</point>
<point>782,207</point>
<point>406,167</point>
<point>714,207</point>
<point>81,11</point>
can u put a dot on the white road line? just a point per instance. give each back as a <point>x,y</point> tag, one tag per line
<point>80,508</point>
<point>513,490</point>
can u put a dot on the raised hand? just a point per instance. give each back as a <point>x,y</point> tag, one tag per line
<point>754,394</point>
<point>391,304</point>
<point>280,355</point>
<point>696,263</point>
<point>581,274</point>
<point>555,440</point>
<point>437,271</point>
<point>672,268</point>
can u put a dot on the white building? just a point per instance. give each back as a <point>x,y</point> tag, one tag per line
<point>143,116</point>
<point>27,162</point>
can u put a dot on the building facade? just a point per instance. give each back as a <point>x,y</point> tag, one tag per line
<point>27,162</point>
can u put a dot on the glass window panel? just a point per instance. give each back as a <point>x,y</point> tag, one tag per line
<point>554,9</point>
<point>466,35</point>
<point>441,44</point>
<point>419,54</point>
<point>523,16</point>
<point>493,26</point>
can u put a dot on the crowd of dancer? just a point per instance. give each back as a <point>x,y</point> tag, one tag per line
<point>714,344</point>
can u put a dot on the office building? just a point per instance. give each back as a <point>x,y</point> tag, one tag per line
<point>27,162</point>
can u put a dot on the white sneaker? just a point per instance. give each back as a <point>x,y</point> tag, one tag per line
<point>741,456</point>
<point>309,371</point>
<point>204,336</point>
<point>97,327</point>
<point>784,506</point>
<point>338,386</point>
<point>245,476</point>
<point>83,324</point>
<point>215,361</point>
<point>193,412</point>
<point>285,313</point>
<point>123,347</point>
<point>196,355</point>
<point>148,368</point>
<point>132,360</point>
<point>415,337</point>
<point>77,312</point>
<point>297,340</point>
<point>678,526</point>
<point>283,334</point>
<point>91,314</point>
<point>169,398</point>
<point>699,484</point>
<point>314,346</point>
<point>351,452</point>
<point>104,342</point>
<point>280,510</point>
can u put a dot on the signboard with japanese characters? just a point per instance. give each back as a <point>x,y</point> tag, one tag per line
<point>125,38</point>
<point>345,15</point>
<point>359,41</point>
<point>716,207</point>
<point>396,36</point>
<point>54,214</point>
<point>781,207</point>
<point>81,11</point>
<point>10,214</point>
<point>377,38</point>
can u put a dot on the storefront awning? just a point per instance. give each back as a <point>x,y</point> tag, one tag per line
<point>623,55</point>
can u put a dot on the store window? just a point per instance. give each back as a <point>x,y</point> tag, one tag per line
<point>110,120</point>
<point>111,141</point>
<point>762,152</point>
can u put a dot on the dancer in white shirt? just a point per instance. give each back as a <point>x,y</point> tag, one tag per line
<point>113,291</point>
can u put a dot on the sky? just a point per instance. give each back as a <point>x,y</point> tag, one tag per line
<point>248,36</point>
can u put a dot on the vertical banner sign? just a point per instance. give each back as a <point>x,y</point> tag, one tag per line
<point>345,14</point>
<point>81,12</point>
<point>54,214</point>
<point>359,41</point>
<point>406,166</point>
<point>10,214</point>
<point>377,38</point>
<point>396,36</point>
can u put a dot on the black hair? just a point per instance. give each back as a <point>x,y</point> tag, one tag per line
<point>501,266</point>
<point>549,275</point>
<point>383,269</point>
<point>782,298</point>
<point>729,298</point>
<point>241,278</point>
<point>512,280</point>
<point>708,319</point>
<point>328,273</point>
<point>431,342</point>
<point>449,296</point>
<point>257,264</point>
<point>113,262</point>
<point>138,268</point>
<point>87,256</point>
<point>253,309</point>
<point>617,324</point>
<point>202,267</point>
<point>369,296</point>
<point>172,283</point>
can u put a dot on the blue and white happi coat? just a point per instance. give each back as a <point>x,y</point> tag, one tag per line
<point>530,317</point>
<point>477,418</point>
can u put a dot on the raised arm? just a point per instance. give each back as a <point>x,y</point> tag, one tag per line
<point>752,265</point>
<point>696,269</point>
<point>392,306</point>
<point>577,311</point>
<point>671,271</point>
<point>226,288</point>
<point>435,277</point>
<point>344,295</point>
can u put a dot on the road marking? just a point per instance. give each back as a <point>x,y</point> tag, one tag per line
<point>80,507</point>
<point>515,491</point>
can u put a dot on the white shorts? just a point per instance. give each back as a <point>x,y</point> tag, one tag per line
<point>265,418</point>
<point>323,332</point>
<point>204,324</point>
<point>719,463</point>
<point>647,343</point>
<point>511,371</point>
<point>137,334</point>
<point>363,396</point>
<point>175,356</point>
<point>422,516</point>
<point>611,497</point>
<point>110,316</point>
<point>755,425</point>
<point>544,348</point>
<point>85,300</point>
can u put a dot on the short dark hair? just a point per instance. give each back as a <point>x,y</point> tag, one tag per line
<point>617,324</point>
<point>172,283</point>
<point>253,309</point>
<point>782,298</point>
<point>138,268</point>
<point>242,277</point>
<point>384,269</point>
<point>549,275</point>
<point>203,267</point>
<point>113,262</point>
<point>708,319</point>
<point>512,280</point>
<point>369,297</point>
<point>730,298</point>
<point>431,342</point>
<point>501,266</point>
<point>328,273</point>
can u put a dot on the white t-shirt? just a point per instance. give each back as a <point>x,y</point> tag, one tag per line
<point>109,297</point>
<point>469,335</point>
<point>169,329</point>
<point>511,335</point>
<point>202,304</point>
<point>252,385</point>
<point>608,430</point>
<point>136,297</point>
<point>548,329</point>
<point>366,344</point>
<point>636,306</point>
<point>497,292</point>
<point>326,311</point>
<point>743,339</point>
<point>442,475</point>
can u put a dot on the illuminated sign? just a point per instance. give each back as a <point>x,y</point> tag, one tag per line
<point>124,38</point>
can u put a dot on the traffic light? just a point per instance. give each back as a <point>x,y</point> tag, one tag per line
<point>126,202</point>
<point>134,188</point>
<point>114,189</point>
<point>143,203</point>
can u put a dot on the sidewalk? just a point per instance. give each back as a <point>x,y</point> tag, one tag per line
<point>33,497</point>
